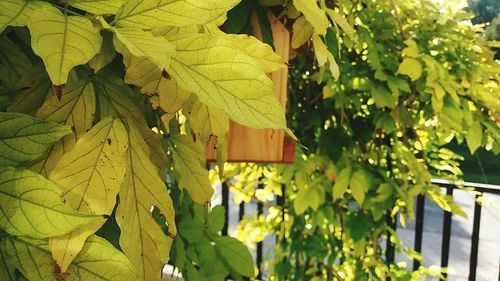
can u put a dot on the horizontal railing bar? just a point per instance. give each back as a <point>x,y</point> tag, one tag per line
<point>481,187</point>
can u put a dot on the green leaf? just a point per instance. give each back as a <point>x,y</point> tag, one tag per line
<point>143,44</point>
<point>63,42</point>
<point>474,137</point>
<point>17,12</point>
<point>235,255</point>
<point>142,239</point>
<point>359,185</point>
<point>151,13</point>
<point>191,230</point>
<point>98,260</point>
<point>412,49</point>
<point>105,55</point>
<point>313,14</point>
<point>189,167</point>
<point>97,7</point>
<point>212,270</point>
<point>411,67</point>
<point>323,56</point>
<point>206,121</point>
<point>300,203</point>
<point>75,109</point>
<point>31,206</point>
<point>216,219</point>
<point>25,138</point>
<point>341,21</point>
<point>223,77</point>
<point>14,64</point>
<point>342,182</point>
<point>302,32</point>
<point>33,87</point>
<point>382,97</point>
<point>358,225</point>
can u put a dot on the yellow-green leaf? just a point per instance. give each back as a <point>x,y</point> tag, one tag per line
<point>474,137</point>
<point>143,44</point>
<point>261,52</point>
<point>31,206</point>
<point>411,67</point>
<point>206,121</point>
<point>142,239</point>
<point>25,138</point>
<point>341,21</point>
<point>224,77</point>
<point>90,176</point>
<point>189,166</point>
<point>17,12</point>
<point>313,14</point>
<point>323,56</point>
<point>97,7</point>
<point>342,182</point>
<point>170,98</point>
<point>62,42</point>
<point>302,32</point>
<point>147,14</point>
<point>98,260</point>
<point>76,109</point>
<point>359,185</point>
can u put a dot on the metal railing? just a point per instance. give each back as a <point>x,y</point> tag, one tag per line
<point>419,225</point>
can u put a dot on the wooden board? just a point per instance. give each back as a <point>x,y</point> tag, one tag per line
<point>263,145</point>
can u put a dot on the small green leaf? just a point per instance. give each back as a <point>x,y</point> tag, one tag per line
<point>63,42</point>
<point>474,137</point>
<point>359,185</point>
<point>341,183</point>
<point>98,260</point>
<point>25,138</point>
<point>31,206</point>
<point>216,219</point>
<point>411,67</point>
<point>191,230</point>
<point>235,254</point>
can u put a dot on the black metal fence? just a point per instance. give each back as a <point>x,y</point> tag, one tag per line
<point>419,225</point>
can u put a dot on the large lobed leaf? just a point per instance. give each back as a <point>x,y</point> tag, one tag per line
<point>222,76</point>
<point>142,239</point>
<point>31,206</point>
<point>98,260</point>
<point>62,42</point>
<point>24,138</point>
<point>90,175</point>
<point>76,109</point>
<point>152,13</point>
<point>17,12</point>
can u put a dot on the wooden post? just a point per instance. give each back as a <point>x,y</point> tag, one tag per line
<point>263,145</point>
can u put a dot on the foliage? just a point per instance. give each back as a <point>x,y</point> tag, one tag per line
<point>98,101</point>
<point>415,78</point>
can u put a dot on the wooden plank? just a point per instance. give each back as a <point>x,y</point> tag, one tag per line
<point>262,145</point>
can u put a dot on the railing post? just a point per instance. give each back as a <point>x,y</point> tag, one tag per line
<point>445,242</point>
<point>475,238</point>
<point>260,211</point>
<point>389,252</point>
<point>419,228</point>
<point>225,203</point>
